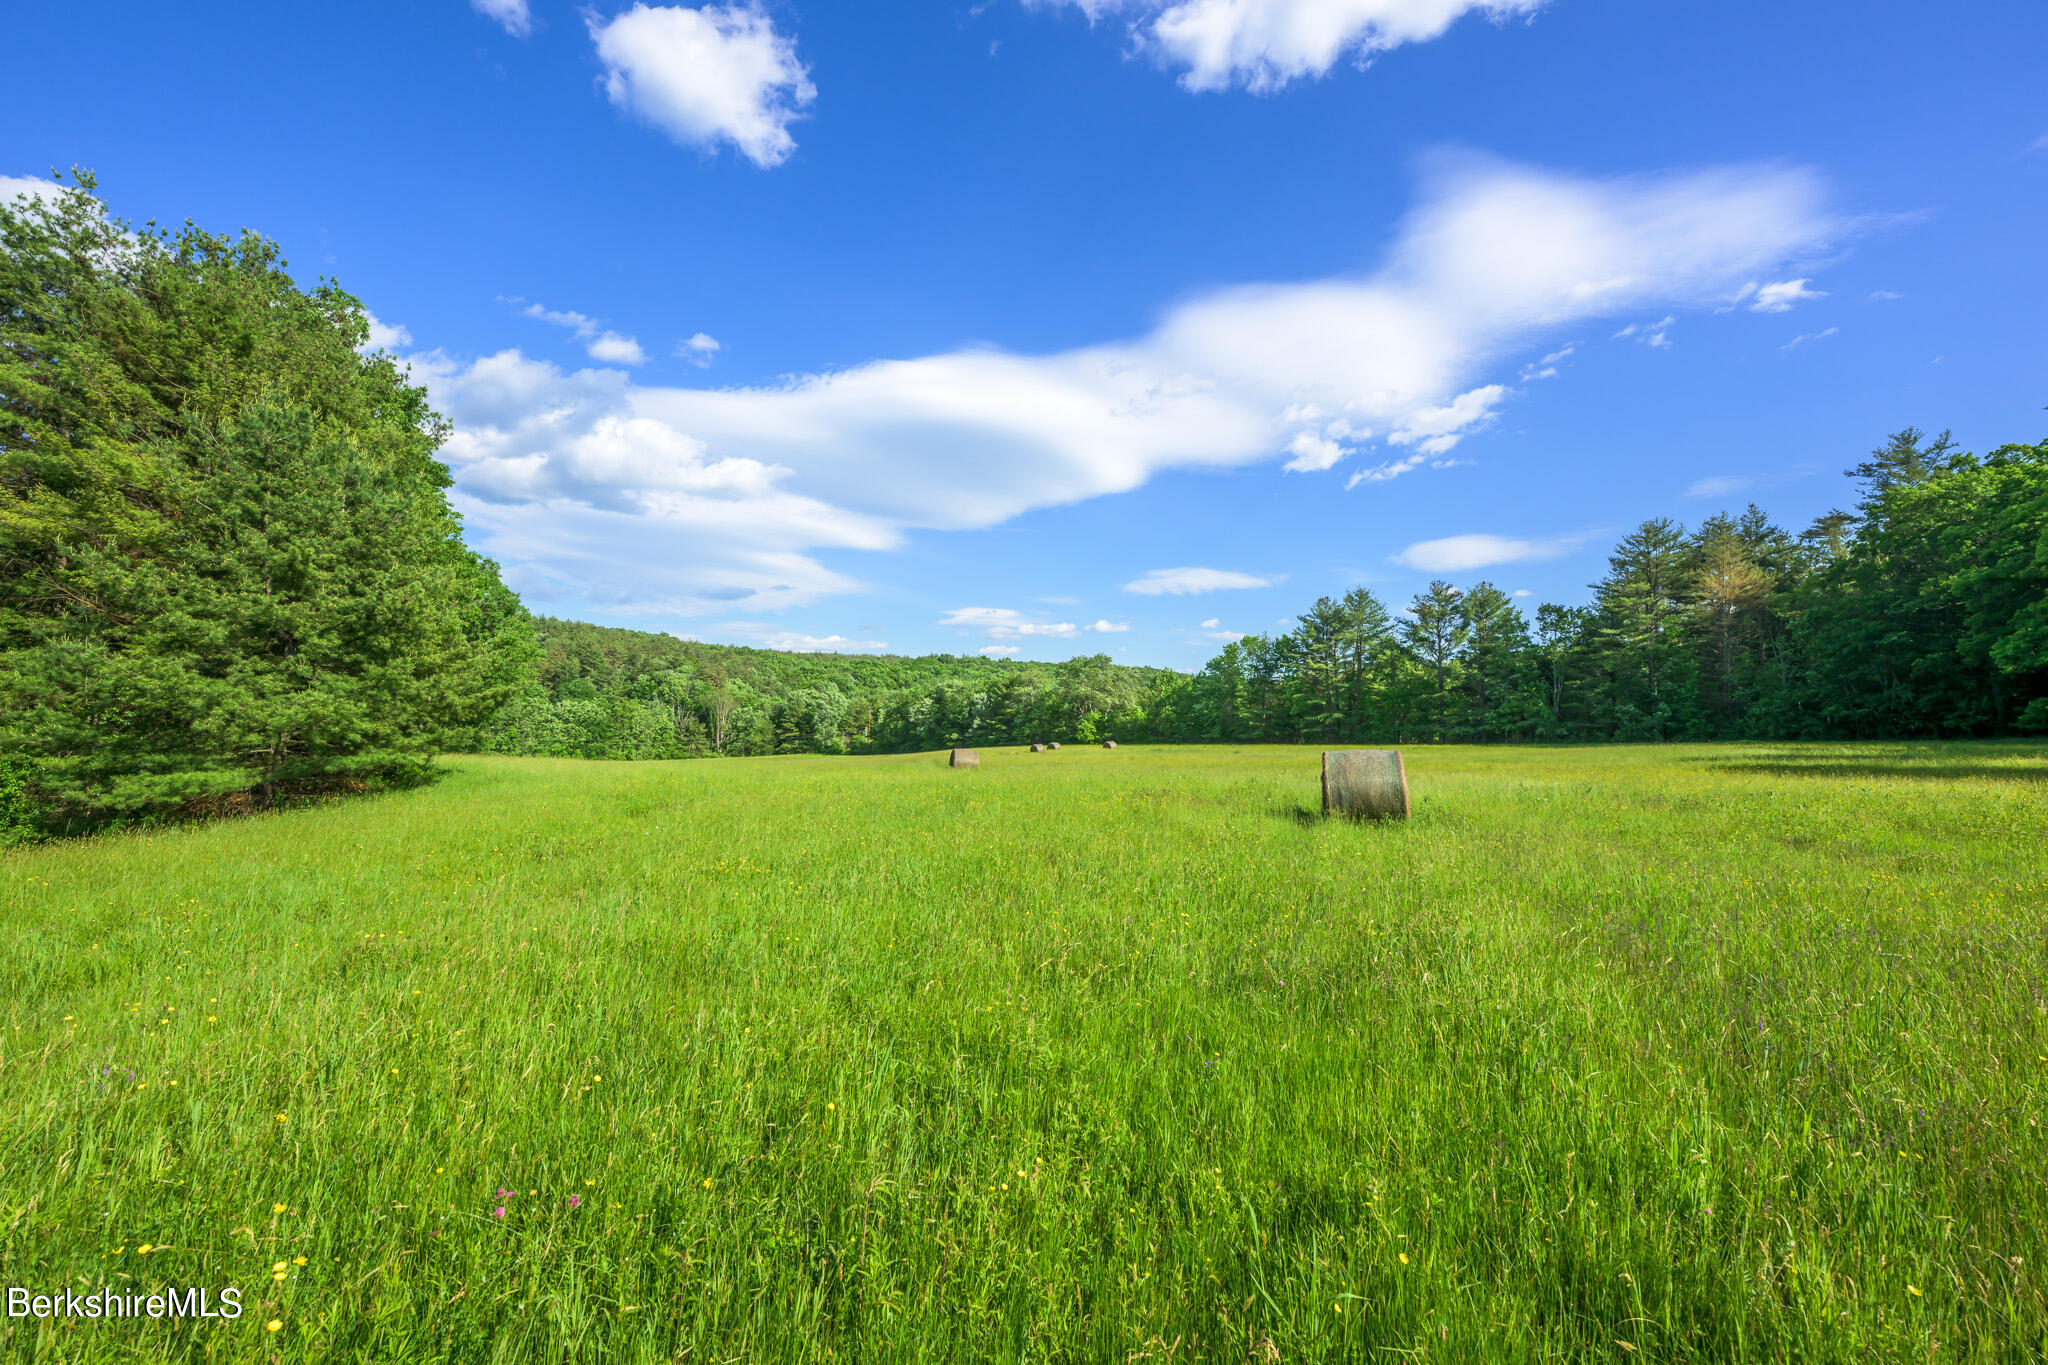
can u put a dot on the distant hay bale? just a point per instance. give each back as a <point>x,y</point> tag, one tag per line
<point>1054,745</point>
<point>1109,744</point>
<point>1038,748</point>
<point>1365,784</point>
<point>965,758</point>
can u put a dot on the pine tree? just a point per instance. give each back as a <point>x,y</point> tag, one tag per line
<point>228,568</point>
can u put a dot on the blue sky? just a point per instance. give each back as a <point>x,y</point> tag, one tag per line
<point>1055,327</point>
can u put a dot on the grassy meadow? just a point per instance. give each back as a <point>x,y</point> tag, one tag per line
<point>1645,1054</point>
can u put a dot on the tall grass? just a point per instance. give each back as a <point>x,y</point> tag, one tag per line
<point>1680,1054</point>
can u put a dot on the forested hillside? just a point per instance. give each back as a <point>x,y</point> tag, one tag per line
<point>606,693</point>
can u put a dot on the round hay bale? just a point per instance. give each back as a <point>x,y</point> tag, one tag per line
<point>1109,744</point>
<point>965,758</point>
<point>1054,745</point>
<point>1038,748</point>
<point>1365,784</point>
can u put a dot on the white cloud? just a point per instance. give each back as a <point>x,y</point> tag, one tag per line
<point>1456,554</point>
<point>700,350</point>
<point>1783,296</point>
<point>614,349</point>
<point>1523,592</point>
<point>1313,452</point>
<point>1547,367</point>
<point>1805,337</point>
<point>1224,636</point>
<point>599,342</point>
<point>1180,582</point>
<point>996,651</point>
<point>512,14</point>
<point>1059,601</point>
<point>1656,333</point>
<point>1884,296</point>
<point>1435,430</point>
<point>1002,623</point>
<point>639,492</point>
<point>796,642</point>
<point>1724,485</point>
<point>707,76</point>
<point>385,336</point>
<point>1109,627</point>
<point>1212,623</point>
<point>2039,144</point>
<point>1262,45</point>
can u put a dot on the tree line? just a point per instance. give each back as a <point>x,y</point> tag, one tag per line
<point>1921,614</point>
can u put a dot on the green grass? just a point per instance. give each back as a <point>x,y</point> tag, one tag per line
<point>1674,1054</point>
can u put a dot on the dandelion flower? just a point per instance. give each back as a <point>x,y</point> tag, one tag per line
<point>707,1182</point>
<point>278,1275</point>
<point>1910,1289</point>
<point>277,1208</point>
<point>298,1260</point>
<point>272,1325</point>
<point>279,1266</point>
<point>142,1250</point>
<point>1404,1258</point>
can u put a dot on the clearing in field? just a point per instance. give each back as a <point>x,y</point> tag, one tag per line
<point>1669,1054</point>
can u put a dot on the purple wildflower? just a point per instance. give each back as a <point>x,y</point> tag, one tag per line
<point>575,1201</point>
<point>498,1212</point>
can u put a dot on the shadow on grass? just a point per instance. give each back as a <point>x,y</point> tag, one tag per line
<point>1927,763</point>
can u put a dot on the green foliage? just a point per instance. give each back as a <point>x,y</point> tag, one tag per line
<point>602,692</point>
<point>228,569</point>
<point>1729,1052</point>
<point>1923,614</point>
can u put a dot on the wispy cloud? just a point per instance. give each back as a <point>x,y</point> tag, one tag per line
<point>1805,337</point>
<point>1656,333</point>
<point>796,642</point>
<point>1783,296</point>
<point>1457,554</point>
<point>1180,582</point>
<point>1726,485</point>
<point>599,342</point>
<point>1109,627</point>
<point>997,651</point>
<point>1547,367</point>
<point>1003,623</point>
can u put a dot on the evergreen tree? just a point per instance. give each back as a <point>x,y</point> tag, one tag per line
<point>228,569</point>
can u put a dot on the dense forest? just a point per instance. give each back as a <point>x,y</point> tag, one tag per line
<point>230,575</point>
<point>605,693</point>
